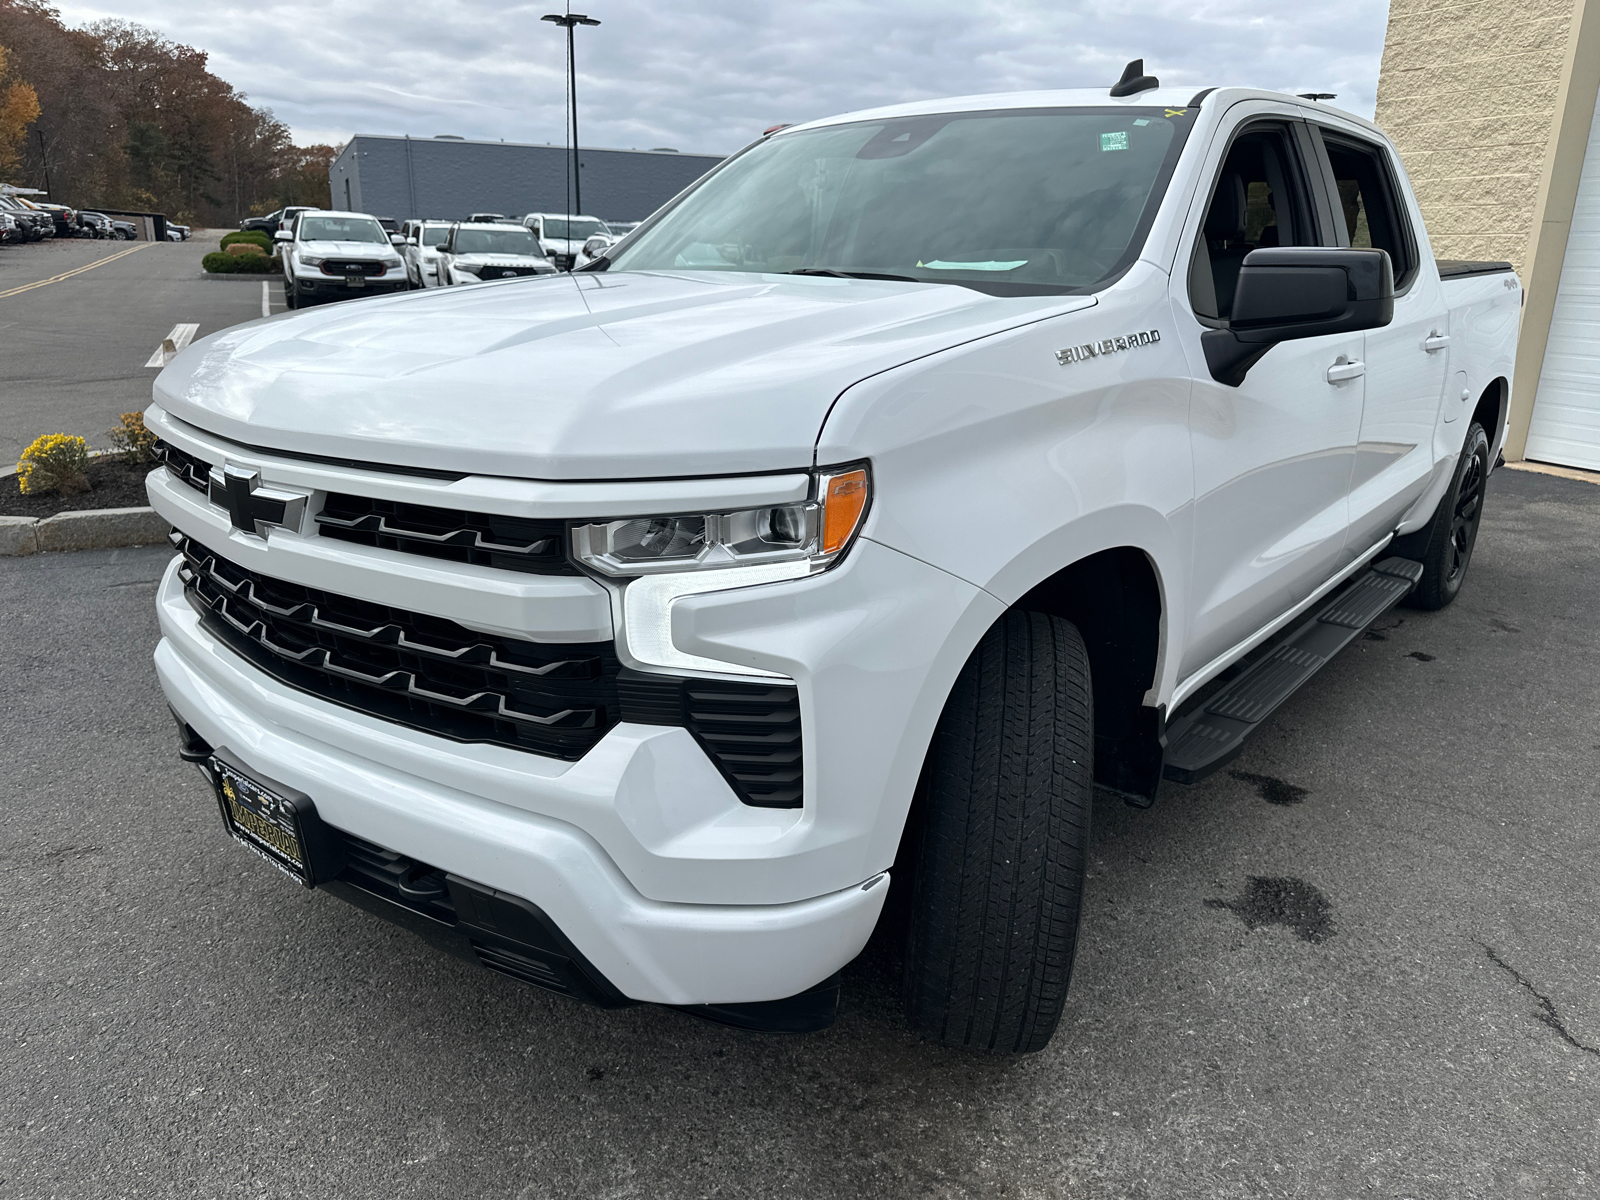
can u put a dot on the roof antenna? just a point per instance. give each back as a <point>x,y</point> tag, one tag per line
<point>1134,80</point>
<point>1318,95</point>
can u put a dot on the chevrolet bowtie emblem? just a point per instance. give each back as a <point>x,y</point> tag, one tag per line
<point>252,507</point>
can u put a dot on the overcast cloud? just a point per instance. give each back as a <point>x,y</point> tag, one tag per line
<point>710,76</point>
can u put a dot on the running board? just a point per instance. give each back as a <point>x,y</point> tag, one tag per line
<point>1211,735</point>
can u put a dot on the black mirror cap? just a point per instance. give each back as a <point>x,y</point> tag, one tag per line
<point>1291,292</point>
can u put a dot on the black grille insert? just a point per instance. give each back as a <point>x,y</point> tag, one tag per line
<point>486,539</point>
<point>750,730</point>
<point>196,472</point>
<point>395,877</point>
<point>423,672</point>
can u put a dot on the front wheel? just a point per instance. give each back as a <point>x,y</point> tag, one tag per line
<point>1444,546</point>
<point>1002,841</point>
<point>290,299</point>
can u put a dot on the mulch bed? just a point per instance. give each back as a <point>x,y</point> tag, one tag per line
<point>112,484</point>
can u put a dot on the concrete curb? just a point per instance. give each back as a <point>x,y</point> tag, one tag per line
<point>244,276</point>
<point>92,529</point>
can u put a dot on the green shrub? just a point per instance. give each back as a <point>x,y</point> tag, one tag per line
<point>249,264</point>
<point>253,237</point>
<point>56,462</point>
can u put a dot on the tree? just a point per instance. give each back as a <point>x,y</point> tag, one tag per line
<point>19,108</point>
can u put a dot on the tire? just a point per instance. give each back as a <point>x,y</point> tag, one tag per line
<point>1444,546</point>
<point>1001,841</point>
<point>290,299</point>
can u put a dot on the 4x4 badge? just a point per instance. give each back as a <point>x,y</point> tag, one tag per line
<point>1110,345</point>
<point>251,507</point>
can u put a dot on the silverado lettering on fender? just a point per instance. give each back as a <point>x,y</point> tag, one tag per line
<point>639,631</point>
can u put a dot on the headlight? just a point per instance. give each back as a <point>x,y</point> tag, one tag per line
<point>466,268</point>
<point>307,260</point>
<point>813,532</point>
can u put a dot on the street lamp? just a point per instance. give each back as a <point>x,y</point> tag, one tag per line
<point>568,21</point>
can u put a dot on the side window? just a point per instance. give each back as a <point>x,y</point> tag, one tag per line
<point>1370,204</point>
<point>1259,199</point>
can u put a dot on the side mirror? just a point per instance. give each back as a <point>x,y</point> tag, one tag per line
<point>1290,292</point>
<point>411,241</point>
<point>283,235</point>
<point>396,240</point>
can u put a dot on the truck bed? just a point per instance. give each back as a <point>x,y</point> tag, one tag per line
<point>1455,268</point>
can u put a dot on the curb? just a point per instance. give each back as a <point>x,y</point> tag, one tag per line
<point>91,529</point>
<point>246,276</point>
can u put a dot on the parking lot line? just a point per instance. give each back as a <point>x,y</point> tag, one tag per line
<point>180,337</point>
<point>266,300</point>
<point>99,262</point>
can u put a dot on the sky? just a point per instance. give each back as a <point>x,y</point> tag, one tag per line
<point>711,75</point>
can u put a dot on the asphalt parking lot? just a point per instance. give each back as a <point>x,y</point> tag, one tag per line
<point>79,319</point>
<point>1359,963</point>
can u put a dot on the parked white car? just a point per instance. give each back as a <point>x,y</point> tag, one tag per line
<point>337,256</point>
<point>422,240</point>
<point>637,632</point>
<point>562,237</point>
<point>476,253</point>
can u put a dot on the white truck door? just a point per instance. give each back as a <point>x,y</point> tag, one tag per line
<point>1407,360</point>
<point>1272,457</point>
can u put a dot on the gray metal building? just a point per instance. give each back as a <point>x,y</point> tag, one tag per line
<point>451,178</point>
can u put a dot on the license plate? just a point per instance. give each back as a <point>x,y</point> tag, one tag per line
<point>264,820</point>
<point>355,281</point>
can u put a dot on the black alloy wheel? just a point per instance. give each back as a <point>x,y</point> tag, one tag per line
<point>1444,546</point>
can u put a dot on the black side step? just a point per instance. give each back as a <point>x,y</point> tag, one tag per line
<point>1211,735</point>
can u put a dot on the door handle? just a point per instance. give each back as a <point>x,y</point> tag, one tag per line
<point>1344,369</point>
<point>1435,341</point>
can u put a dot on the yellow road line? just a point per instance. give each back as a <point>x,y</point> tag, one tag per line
<point>99,262</point>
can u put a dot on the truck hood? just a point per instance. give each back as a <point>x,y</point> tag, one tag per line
<point>346,249</point>
<point>502,260</point>
<point>596,376</point>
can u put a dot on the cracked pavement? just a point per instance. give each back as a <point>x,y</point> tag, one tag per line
<point>1360,963</point>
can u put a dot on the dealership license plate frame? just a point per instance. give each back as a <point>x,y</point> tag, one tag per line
<point>273,821</point>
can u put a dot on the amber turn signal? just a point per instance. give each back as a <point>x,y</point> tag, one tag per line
<point>844,503</point>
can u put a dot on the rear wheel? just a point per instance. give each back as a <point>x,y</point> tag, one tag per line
<point>1001,841</point>
<point>1444,546</point>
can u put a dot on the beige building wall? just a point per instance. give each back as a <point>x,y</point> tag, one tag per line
<point>1468,92</point>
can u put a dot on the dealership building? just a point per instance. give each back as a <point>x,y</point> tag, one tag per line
<point>1492,105</point>
<point>450,178</point>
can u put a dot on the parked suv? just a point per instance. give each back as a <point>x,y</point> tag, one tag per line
<point>842,536</point>
<point>337,256</point>
<point>420,249</point>
<point>476,253</point>
<point>562,237</point>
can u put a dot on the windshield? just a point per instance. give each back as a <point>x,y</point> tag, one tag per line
<point>435,235</point>
<point>342,229</point>
<point>581,227</point>
<point>496,241</point>
<point>1050,199</point>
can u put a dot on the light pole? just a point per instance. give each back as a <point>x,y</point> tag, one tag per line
<point>568,21</point>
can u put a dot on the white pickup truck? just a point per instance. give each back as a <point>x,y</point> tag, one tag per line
<point>841,534</point>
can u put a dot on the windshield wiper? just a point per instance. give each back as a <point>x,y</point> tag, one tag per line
<point>859,275</point>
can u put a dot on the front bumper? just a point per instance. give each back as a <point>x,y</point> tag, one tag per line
<point>334,288</point>
<point>424,798</point>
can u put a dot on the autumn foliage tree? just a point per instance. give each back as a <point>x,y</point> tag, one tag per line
<point>19,108</point>
<point>125,118</point>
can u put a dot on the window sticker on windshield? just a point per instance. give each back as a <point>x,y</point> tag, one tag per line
<point>1141,121</point>
<point>1114,141</point>
<point>938,265</point>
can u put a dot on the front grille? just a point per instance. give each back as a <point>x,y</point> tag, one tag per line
<point>750,730</point>
<point>196,472</point>
<point>484,539</point>
<point>496,272</point>
<point>423,672</point>
<point>344,266</point>
<point>489,540</point>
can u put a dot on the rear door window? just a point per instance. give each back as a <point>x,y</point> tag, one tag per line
<point>1368,202</point>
